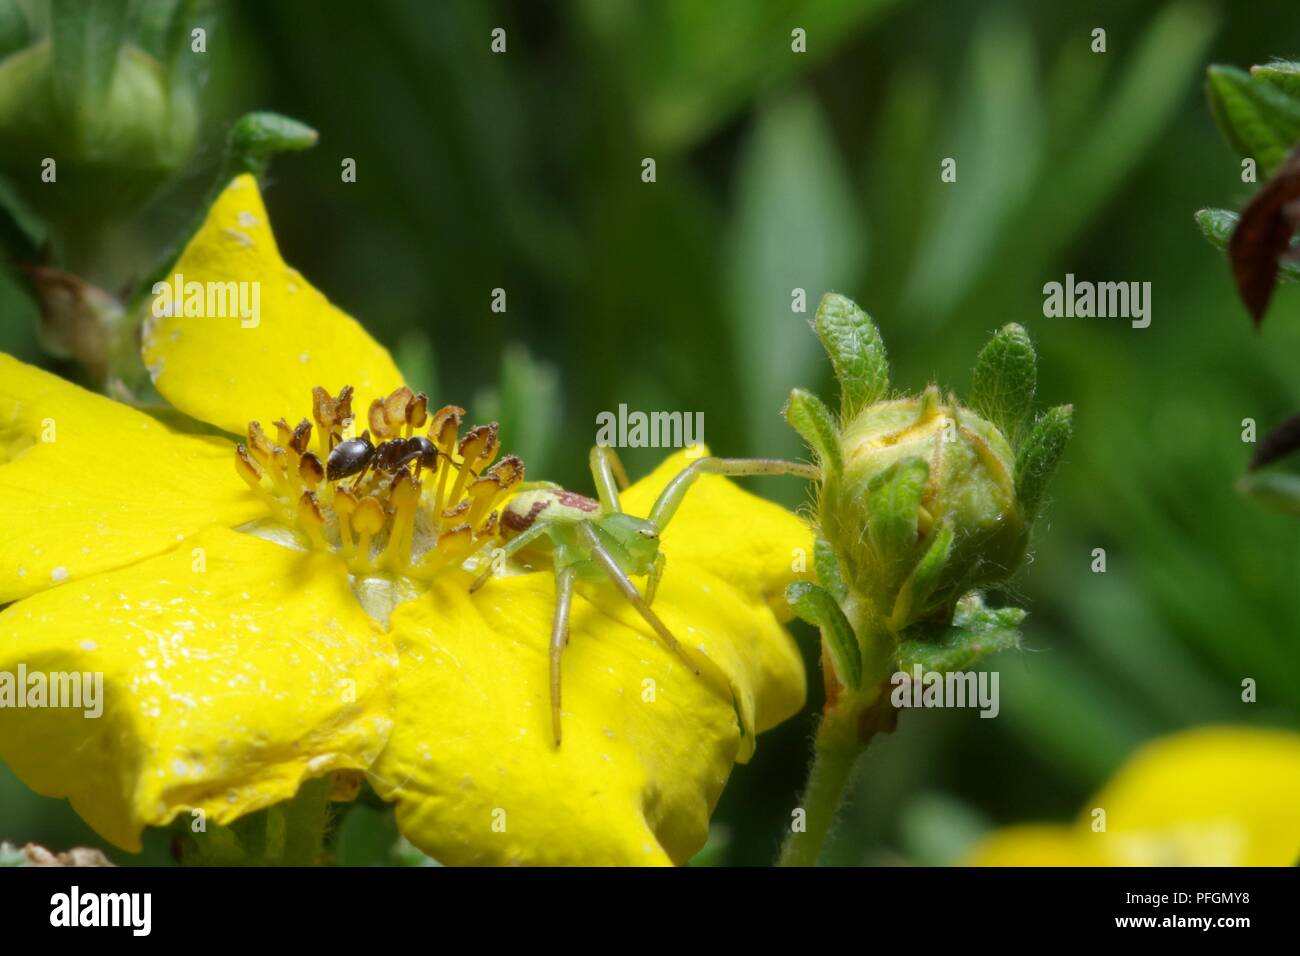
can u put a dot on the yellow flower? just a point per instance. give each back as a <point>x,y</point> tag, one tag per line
<point>256,628</point>
<point>1214,796</point>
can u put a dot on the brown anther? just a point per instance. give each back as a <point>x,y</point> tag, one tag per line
<point>301,436</point>
<point>457,511</point>
<point>310,470</point>
<point>283,433</point>
<point>445,426</point>
<point>480,444</point>
<point>388,415</point>
<point>333,415</point>
<point>417,412</point>
<point>454,545</point>
<point>509,471</point>
<point>489,527</point>
<point>259,446</point>
<point>247,468</point>
<point>481,494</point>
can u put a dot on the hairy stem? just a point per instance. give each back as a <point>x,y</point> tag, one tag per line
<point>835,754</point>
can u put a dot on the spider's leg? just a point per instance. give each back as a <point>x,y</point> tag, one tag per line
<point>652,582</point>
<point>670,498</point>
<point>607,472</point>
<point>559,638</point>
<point>624,584</point>
<point>512,547</point>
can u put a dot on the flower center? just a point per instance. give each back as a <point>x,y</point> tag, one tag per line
<point>392,500</point>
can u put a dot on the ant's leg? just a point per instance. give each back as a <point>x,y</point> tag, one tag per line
<point>671,497</point>
<point>514,546</point>
<point>652,582</point>
<point>608,475</point>
<point>624,584</point>
<point>559,639</point>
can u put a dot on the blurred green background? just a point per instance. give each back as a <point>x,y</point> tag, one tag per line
<point>819,171</point>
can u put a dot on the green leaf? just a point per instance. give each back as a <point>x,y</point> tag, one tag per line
<point>1258,119</point>
<point>816,606</point>
<point>829,573</point>
<point>815,423</point>
<point>1277,490</point>
<point>1039,456</point>
<point>1005,378</point>
<point>920,584</point>
<point>856,350</point>
<point>1283,74</point>
<point>1217,226</point>
<point>86,38</point>
<point>976,632</point>
<point>893,508</point>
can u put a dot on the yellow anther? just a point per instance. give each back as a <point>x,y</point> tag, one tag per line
<point>284,472</point>
<point>247,468</point>
<point>454,546</point>
<point>481,494</point>
<point>445,427</point>
<point>368,521</point>
<point>311,519</point>
<point>259,446</point>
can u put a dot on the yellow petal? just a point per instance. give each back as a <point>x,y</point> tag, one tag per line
<point>647,744</point>
<point>88,484</point>
<point>229,370</point>
<point>1214,796</point>
<point>1037,845</point>
<point>226,683</point>
<point>755,545</point>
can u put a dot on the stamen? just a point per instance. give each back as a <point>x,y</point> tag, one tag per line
<point>362,481</point>
<point>311,519</point>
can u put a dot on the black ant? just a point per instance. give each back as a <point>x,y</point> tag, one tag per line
<point>356,455</point>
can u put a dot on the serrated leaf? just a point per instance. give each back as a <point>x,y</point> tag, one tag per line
<point>815,423</point>
<point>1258,119</point>
<point>856,351</point>
<point>85,39</point>
<point>1039,456</point>
<point>816,606</point>
<point>893,509</point>
<point>829,573</point>
<point>1217,226</point>
<point>976,632</point>
<point>1005,379</point>
<point>1278,490</point>
<point>920,584</point>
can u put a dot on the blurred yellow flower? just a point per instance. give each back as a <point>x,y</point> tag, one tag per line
<point>1213,796</point>
<point>255,631</point>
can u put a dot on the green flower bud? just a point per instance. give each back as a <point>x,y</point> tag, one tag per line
<point>924,475</point>
<point>923,499</point>
<point>91,125</point>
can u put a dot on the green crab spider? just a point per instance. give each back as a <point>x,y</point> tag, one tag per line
<point>597,541</point>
